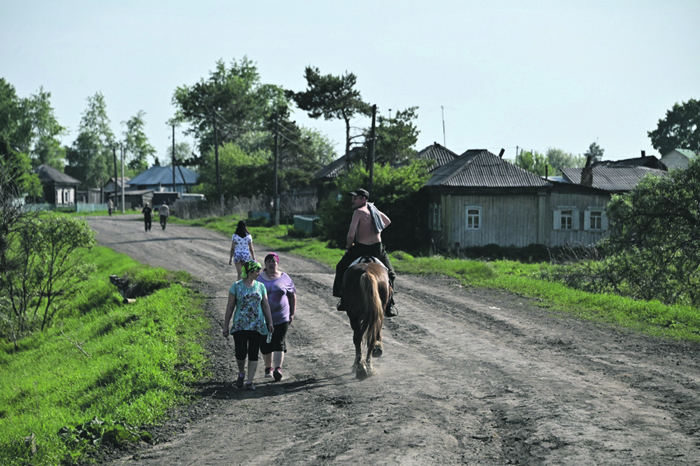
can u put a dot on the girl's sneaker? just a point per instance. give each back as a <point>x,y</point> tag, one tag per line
<point>249,386</point>
<point>268,372</point>
<point>277,374</point>
<point>239,380</point>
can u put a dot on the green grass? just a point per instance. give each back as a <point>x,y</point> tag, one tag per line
<point>122,364</point>
<point>654,318</point>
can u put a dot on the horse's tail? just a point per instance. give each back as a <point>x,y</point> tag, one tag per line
<point>373,309</point>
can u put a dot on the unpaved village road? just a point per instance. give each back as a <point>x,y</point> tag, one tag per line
<point>468,376</point>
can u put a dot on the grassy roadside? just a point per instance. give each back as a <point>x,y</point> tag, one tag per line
<point>105,370</point>
<point>654,318</point>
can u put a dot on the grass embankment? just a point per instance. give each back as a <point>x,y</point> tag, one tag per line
<point>655,318</point>
<point>123,365</point>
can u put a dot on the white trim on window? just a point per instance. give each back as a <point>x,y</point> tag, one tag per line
<point>595,219</point>
<point>566,218</point>
<point>473,217</point>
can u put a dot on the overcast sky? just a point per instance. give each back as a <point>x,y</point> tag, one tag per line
<point>533,74</point>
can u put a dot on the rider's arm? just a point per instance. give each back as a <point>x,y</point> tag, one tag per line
<point>353,228</point>
<point>385,219</point>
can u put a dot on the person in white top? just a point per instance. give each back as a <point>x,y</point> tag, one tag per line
<point>241,247</point>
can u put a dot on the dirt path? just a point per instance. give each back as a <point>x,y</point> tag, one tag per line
<point>468,376</point>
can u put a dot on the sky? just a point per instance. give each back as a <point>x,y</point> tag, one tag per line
<point>484,74</point>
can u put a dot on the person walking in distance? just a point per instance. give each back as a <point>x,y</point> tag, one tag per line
<point>241,248</point>
<point>281,294</point>
<point>248,305</point>
<point>364,239</point>
<point>163,213</point>
<point>147,216</point>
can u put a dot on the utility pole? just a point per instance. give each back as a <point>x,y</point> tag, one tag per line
<point>114,153</point>
<point>277,150</point>
<point>122,151</point>
<point>216,154</point>
<point>173,157</point>
<point>370,159</point>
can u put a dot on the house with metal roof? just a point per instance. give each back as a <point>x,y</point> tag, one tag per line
<point>678,158</point>
<point>479,199</point>
<point>615,179</point>
<point>161,179</point>
<point>59,188</point>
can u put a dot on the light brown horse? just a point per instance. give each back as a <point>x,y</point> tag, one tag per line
<point>366,294</point>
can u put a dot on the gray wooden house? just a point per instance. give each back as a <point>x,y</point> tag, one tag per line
<point>59,188</point>
<point>479,199</point>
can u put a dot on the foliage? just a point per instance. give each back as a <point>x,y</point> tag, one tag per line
<point>234,97</point>
<point>595,152</point>
<point>331,97</point>
<point>45,147</point>
<point>396,138</point>
<point>395,192</point>
<point>532,161</point>
<point>15,144</point>
<point>106,373</point>
<point>91,155</point>
<point>136,143</point>
<point>242,174</point>
<point>43,278</point>
<point>559,159</point>
<point>680,129</point>
<point>656,246</point>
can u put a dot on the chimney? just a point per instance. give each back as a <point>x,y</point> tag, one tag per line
<point>500,155</point>
<point>546,172</point>
<point>644,154</point>
<point>587,173</point>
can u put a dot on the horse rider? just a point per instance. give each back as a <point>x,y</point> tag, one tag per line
<point>364,239</point>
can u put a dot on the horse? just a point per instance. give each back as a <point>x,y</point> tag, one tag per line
<point>366,293</point>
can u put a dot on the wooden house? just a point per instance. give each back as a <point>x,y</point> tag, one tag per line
<point>678,158</point>
<point>479,199</point>
<point>59,188</point>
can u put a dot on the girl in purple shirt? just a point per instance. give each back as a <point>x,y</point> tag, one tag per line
<point>281,295</point>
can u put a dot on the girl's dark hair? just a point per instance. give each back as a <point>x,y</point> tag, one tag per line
<point>241,229</point>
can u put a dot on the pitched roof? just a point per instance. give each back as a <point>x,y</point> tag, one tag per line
<point>48,174</point>
<point>163,175</point>
<point>687,152</point>
<point>613,178</point>
<point>440,154</point>
<point>648,161</point>
<point>336,167</point>
<point>481,168</point>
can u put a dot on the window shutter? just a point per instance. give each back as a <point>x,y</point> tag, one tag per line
<point>576,219</point>
<point>587,220</point>
<point>604,221</point>
<point>557,219</point>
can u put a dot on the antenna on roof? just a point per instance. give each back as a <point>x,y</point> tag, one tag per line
<point>500,155</point>
<point>444,143</point>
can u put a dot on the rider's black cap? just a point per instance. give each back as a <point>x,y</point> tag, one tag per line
<point>360,192</point>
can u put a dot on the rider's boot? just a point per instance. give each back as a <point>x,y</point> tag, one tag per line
<point>391,310</point>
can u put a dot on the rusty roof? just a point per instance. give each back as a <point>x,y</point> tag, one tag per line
<point>48,174</point>
<point>481,168</point>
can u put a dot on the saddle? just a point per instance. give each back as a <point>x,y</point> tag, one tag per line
<point>367,259</point>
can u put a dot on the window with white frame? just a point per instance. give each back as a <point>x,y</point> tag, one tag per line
<point>434,216</point>
<point>595,220</point>
<point>566,218</point>
<point>473,217</point>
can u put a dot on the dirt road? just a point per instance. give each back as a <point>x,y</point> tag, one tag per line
<point>468,376</point>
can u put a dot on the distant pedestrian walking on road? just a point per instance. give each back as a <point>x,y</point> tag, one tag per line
<point>147,214</point>
<point>281,294</point>
<point>163,214</point>
<point>241,248</point>
<point>251,320</point>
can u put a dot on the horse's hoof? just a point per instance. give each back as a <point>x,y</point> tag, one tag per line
<point>377,351</point>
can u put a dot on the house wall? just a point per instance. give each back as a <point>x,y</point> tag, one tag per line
<point>675,160</point>
<point>517,219</point>
<point>579,204</point>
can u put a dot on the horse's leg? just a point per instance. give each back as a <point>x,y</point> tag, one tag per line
<point>357,340</point>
